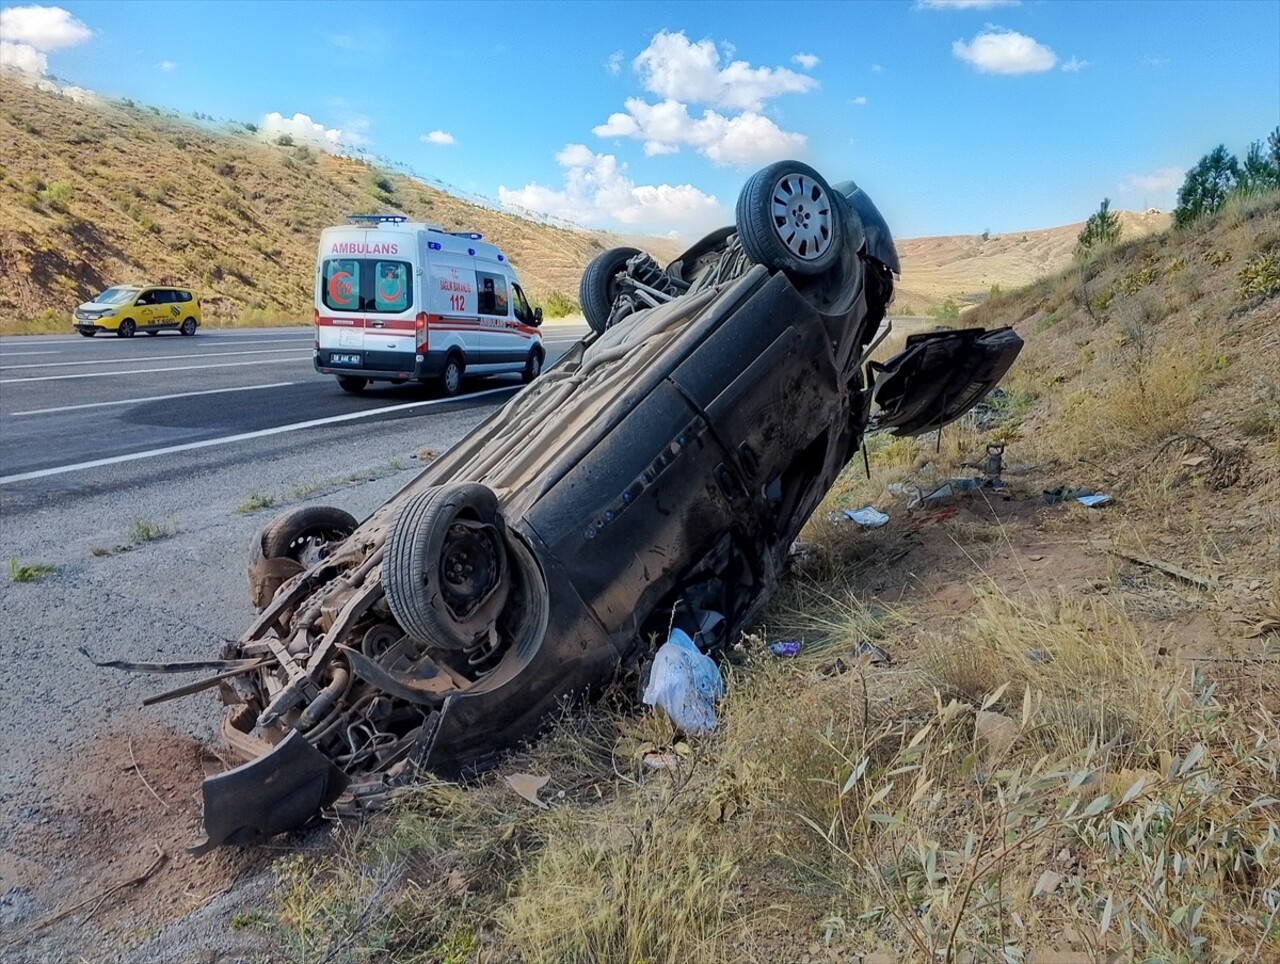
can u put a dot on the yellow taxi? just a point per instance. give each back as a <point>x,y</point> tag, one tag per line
<point>127,309</point>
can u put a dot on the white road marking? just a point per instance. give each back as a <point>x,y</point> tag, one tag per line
<point>142,358</point>
<point>148,398</point>
<point>147,371</point>
<point>244,436</point>
<point>15,354</point>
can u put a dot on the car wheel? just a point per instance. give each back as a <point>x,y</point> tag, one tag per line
<point>126,329</point>
<point>349,383</point>
<point>532,366</point>
<point>451,377</point>
<point>188,326</point>
<point>789,218</point>
<point>152,331</point>
<point>446,570</point>
<point>88,334</point>
<point>306,535</point>
<point>599,285</point>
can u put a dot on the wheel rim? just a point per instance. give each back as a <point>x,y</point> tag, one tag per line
<point>802,216</point>
<point>188,327</point>
<point>535,365</point>
<point>452,377</point>
<point>311,548</point>
<point>127,328</point>
<point>470,566</point>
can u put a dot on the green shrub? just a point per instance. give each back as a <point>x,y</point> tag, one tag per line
<point>284,140</point>
<point>947,311</point>
<point>1101,231</point>
<point>1206,186</point>
<point>559,305</point>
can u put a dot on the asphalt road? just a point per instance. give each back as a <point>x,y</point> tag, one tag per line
<point>72,408</point>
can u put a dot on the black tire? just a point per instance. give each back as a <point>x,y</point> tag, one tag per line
<point>599,285</point>
<point>126,329</point>
<point>438,533</point>
<point>451,376</point>
<point>152,331</point>
<point>306,535</point>
<point>188,327</point>
<point>532,366</point>
<point>790,219</point>
<point>88,334</point>
<point>352,384</point>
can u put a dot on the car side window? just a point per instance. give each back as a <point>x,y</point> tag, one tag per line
<point>523,311</point>
<point>164,297</point>
<point>146,298</point>
<point>182,296</point>
<point>492,294</point>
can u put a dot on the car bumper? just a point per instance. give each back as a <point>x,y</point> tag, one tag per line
<point>383,366</point>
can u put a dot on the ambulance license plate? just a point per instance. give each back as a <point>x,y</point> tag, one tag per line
<point>344,359</point>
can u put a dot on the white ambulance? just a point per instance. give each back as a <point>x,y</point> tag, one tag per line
<point>402,301</point>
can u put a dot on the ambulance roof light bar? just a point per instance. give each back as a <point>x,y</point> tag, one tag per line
<point>376,218</point>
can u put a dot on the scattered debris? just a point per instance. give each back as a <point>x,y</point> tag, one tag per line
<point>1168,568</point>
<point>1093,501</point>
<point>879,657</point>
<point>868,517</point>
<point>786,648</point>
<point>1067,493</point>
<point>684,683</point>
<point>1039,656</point>
<point>527,785</point>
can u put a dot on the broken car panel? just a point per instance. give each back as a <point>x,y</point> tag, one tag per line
<point>656,475</point>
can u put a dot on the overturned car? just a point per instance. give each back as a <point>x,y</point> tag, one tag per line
<point>656,475</point>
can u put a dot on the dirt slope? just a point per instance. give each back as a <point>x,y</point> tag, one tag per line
<point>100,193</point>
<point>96,192</point>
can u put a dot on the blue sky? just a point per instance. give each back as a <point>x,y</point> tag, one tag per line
<point>957,116</point>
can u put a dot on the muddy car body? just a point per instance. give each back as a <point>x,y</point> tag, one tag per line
<point>658,473</point>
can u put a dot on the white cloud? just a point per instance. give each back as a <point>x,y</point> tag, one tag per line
<point>28,33</point>
<point>302,128</point>
<point>166,65</point>
<point>1156,61</point>
<point>614,64</point>
<point>964,4</point>
<point>675,69</point>
<point>23,57</point>
<point>877,69</point>
<point>438,137</point>
<point>745,139</point>
<point>597,191</point>
<point>859,101</point>
<point>1158,186</point>
<point>1075,65</point>
<point>44,28</point>
<point>1005,52</point>
<point>807,61</point>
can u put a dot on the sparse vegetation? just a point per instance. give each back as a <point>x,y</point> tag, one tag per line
<point>28,571</point>
<point>947,311</point>
<point>143,530</point>
<point>254,502</point>
<point>1101,231</point>
<point>559,305</point>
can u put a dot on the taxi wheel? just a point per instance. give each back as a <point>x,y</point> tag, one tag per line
<point>152,331</point>
<point>126,329</point>
<point>88,334</point>
<point>188,326</point>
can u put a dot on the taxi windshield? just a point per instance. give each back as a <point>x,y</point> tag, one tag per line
<point>115,296</point>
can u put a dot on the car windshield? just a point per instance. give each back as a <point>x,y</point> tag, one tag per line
<point>115,296</point>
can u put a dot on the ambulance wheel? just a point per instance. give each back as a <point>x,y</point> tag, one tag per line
<point>599,285</point>
<point>788,219</point>
<point>451,377</point>
<point>446,572</point>
<point>532,366</point>
<point>349,383</point>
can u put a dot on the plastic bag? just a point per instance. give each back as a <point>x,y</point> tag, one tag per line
<point>685,683</point>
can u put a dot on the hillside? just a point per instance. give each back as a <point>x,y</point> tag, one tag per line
<point>101,193</point>
<point>965,267</point>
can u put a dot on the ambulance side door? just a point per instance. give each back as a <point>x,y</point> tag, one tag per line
<point>453,300</point>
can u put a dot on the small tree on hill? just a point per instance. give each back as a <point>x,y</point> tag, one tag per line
<point>1261,169</point>
<point>1206,186</point>
<point>1101,231</point>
